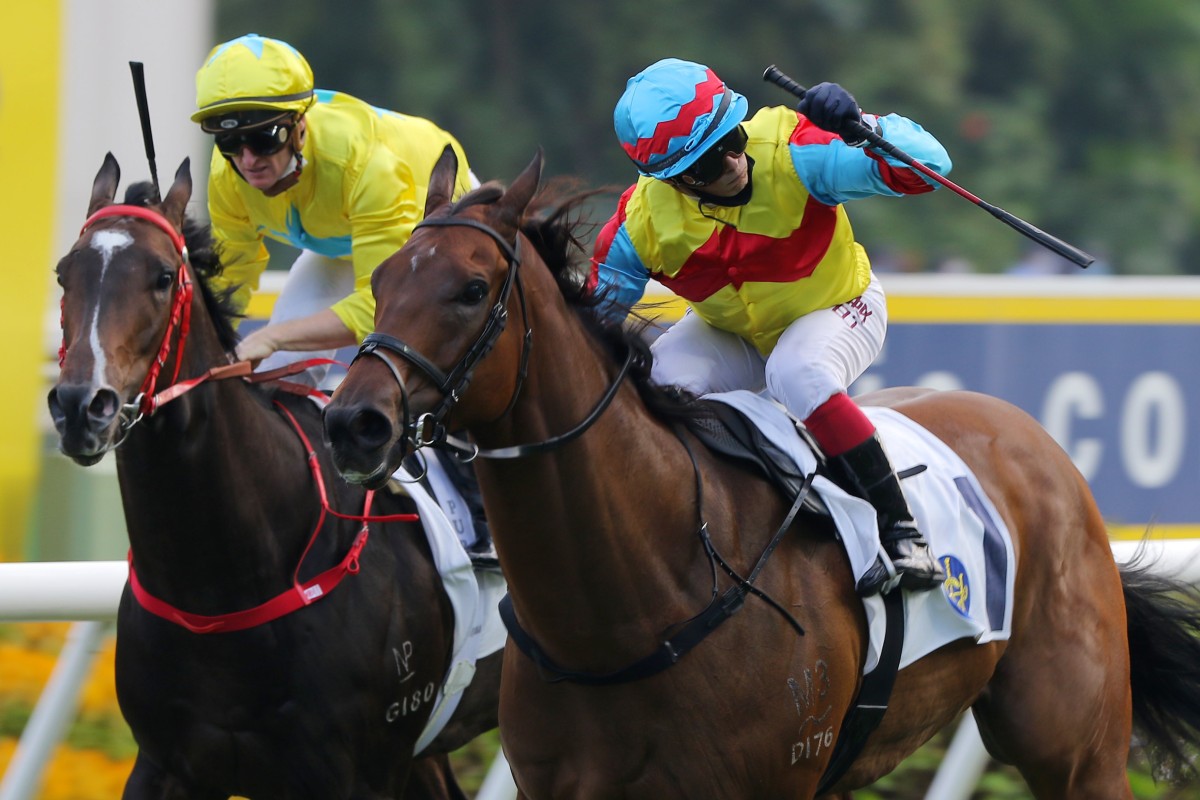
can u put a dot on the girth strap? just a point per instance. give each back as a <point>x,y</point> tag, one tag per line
<point>872,701</point>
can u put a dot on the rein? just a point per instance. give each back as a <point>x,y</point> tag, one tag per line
<point>468,451</point>
<point>148,400</point>
<point>298,595</point>
<point>428,430</point>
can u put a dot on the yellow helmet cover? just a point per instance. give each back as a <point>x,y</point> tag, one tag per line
<point>253,72</point>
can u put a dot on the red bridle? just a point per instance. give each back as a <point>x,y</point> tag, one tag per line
<point>299,594</point>
<point>181,308</point>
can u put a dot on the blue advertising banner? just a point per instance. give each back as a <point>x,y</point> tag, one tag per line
<point>1109,367</point>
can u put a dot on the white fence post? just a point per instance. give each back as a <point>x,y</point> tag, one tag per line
<point>961,767</point>
<point>54,712</point>
<point>499,783</point>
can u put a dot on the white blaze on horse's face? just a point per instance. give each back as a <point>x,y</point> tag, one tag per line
<point>107,243</point>
<point>427,255</point>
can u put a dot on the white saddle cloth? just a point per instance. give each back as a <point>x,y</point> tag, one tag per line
<point>964,531</point>
<point>475,596</point>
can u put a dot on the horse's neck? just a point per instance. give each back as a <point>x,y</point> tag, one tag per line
<point>615,504</point>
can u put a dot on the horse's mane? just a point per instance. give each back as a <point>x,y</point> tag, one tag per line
<point>205,262</point>
<point>556,224</point>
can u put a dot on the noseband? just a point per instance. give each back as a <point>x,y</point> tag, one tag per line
<point>429,429</point>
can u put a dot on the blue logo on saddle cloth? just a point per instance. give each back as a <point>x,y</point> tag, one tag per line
<point>957,586</point>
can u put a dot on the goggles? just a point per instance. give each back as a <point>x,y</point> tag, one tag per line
<point>263,141</point>
<point>711,163</point>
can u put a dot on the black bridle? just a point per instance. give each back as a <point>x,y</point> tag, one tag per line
<point>429,430</point>
<point>453,385</point>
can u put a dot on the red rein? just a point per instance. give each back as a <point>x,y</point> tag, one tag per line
<point>299,594</point>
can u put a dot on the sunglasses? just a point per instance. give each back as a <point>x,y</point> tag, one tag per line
<point>711,164</point>
<point>265,141</point>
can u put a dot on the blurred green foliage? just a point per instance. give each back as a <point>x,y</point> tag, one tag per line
<point>1082,117</point>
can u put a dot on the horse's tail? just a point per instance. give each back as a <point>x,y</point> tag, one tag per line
<point>1164,654</point>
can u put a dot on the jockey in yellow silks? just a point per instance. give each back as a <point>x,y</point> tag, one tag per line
<point>340,180</point>
<point>744,220</point>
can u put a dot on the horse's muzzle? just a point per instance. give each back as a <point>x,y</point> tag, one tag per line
<point>86,419</point>
<point>366,447</point>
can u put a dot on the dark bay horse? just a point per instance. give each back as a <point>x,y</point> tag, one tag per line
<point>596,499</point>
<point>243,666</point>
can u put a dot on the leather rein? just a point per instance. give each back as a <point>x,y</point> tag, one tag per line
<point>148,401</point>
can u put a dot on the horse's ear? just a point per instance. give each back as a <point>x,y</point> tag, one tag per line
<point>523,188</point>
<point>175,203</point>
<point>104,188</point>
<point>441,180</point>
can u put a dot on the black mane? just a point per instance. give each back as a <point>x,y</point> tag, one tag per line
<point>556,225</point>
<point>205,262</point>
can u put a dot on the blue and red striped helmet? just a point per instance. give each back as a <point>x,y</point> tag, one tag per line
<point>671,113</point>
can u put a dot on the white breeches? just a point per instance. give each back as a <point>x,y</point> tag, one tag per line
<point>818,355</point>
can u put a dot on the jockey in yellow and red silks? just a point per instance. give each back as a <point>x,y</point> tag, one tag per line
<point>325,172</point>
<point>744,220</point>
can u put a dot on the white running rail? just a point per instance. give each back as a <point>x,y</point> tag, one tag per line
<point>87,592</point>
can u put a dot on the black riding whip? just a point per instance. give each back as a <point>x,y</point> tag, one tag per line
<point>1074,254</point>
<point>139,89</point>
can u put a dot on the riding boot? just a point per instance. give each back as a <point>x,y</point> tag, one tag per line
<point>865,471</point>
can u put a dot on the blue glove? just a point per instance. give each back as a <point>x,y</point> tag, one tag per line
<point>832,108</point>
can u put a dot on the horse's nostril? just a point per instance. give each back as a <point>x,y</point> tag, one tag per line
<point>57,414</point>
<point>371,429</point>
<point>104,406</point>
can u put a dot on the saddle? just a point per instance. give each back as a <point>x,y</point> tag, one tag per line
<point>726,430</point>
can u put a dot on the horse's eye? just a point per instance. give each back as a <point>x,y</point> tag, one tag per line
<point>474,292</point>
<point>164,281</point>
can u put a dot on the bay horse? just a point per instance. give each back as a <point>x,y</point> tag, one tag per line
<point>243,666</point>
<point>611,521</point>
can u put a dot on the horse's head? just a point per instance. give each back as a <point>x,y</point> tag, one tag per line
<point>441,307</point>
<point>125,289</point>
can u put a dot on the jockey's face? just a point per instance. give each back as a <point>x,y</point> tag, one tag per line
<point>733,178</point>
<point>264,171</point>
